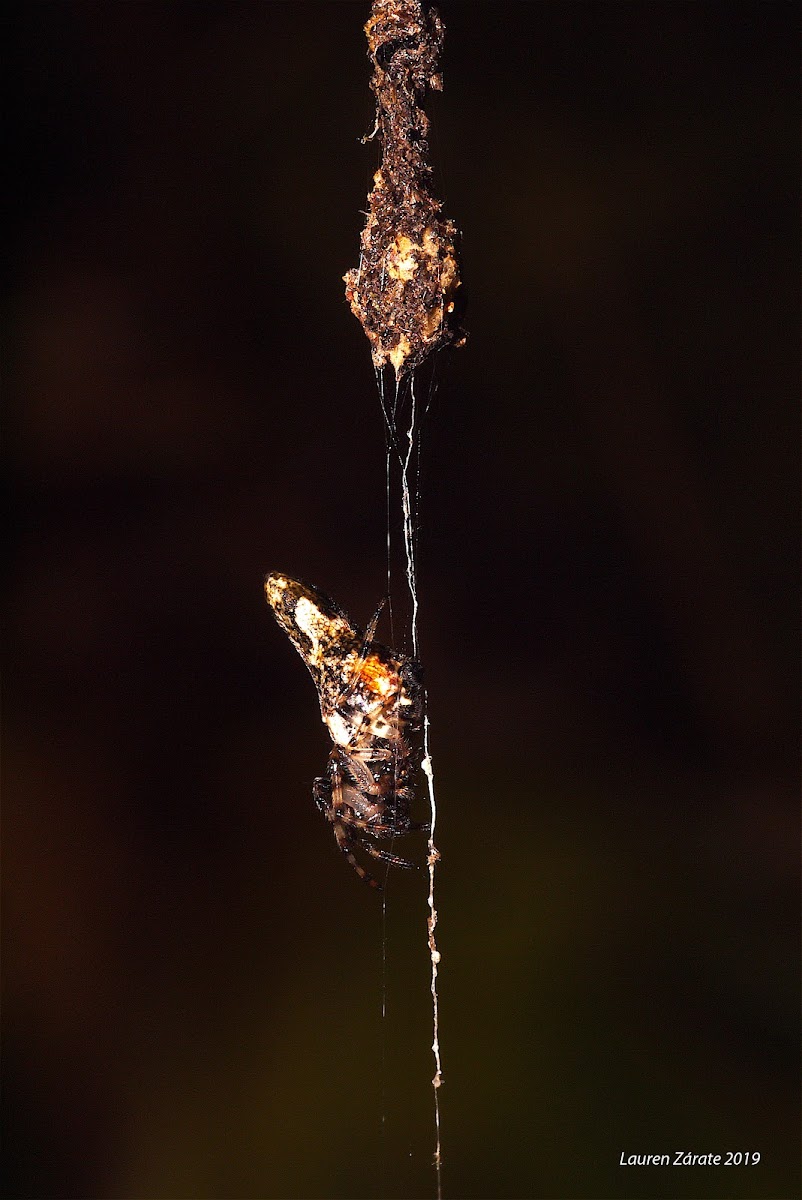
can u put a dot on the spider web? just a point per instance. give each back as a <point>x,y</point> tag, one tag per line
<point>404,416</point>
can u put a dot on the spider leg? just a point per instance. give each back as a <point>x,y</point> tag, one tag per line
<point>321,793</point>
<point>345,841</point>
<point>362,795</point>
<point>330,797</point>
<point>330,793</point>
<point>370,632</point>
<point>379,829</point>
<point>385,856</point>
<point>355,767</point>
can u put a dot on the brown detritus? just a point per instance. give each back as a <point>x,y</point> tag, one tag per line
<point>406,289</point>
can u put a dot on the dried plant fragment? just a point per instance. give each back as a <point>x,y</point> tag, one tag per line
<point>405,291</point>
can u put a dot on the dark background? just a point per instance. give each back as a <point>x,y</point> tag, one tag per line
<point>608,573</point>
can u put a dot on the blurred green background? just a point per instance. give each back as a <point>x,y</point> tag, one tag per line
<point>193,976</point>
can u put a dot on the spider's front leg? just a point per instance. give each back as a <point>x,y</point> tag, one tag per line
<point>321,793</point>
<point>386,857</point>
<point>354,802</point>
<point>346,762</point>
<point>328,795</point>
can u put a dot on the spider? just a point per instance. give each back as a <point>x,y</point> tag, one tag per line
<point>371,701</point>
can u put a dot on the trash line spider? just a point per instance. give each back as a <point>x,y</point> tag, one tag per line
<point>371,702</point>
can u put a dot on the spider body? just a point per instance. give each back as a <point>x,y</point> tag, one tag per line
<point>371,704</point>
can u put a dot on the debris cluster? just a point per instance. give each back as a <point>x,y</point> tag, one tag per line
<point>406,289</point>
